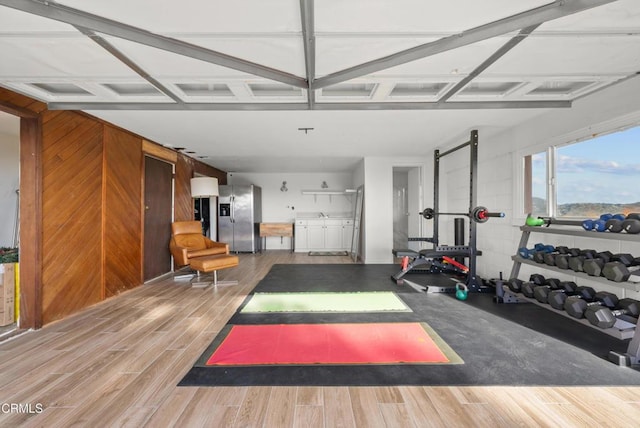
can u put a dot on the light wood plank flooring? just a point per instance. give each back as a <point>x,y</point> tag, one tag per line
<point>118,363</point>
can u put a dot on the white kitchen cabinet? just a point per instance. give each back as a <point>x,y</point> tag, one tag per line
<point>333,235</point>
<point>323,234</point>
<point>315,234</point>
<point>347,234</point>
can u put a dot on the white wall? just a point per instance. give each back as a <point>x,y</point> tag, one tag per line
<point>280,206</point>
<point>378,204</point>
<point>498,183</point>
<point>9,183</point>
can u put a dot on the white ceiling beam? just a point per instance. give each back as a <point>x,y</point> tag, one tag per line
<point>241,91</point>
<point>79,18</point>
<point>382,91</point>
<point>309,41</point>
<point>557,9</point>
<point>129,63</point>
<point>489,61</point>
<point>466,105</point>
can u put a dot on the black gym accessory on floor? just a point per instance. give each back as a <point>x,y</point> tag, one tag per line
<point>604,317</point>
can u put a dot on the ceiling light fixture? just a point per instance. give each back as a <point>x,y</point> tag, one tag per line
<point>306,130</point>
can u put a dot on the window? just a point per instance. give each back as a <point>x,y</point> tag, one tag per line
<point>586,178</point>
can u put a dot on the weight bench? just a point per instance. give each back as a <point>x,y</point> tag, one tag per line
<point>430,257</point>
<point>208,264</point>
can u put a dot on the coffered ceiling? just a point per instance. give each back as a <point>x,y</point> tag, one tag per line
<point>234,82</point>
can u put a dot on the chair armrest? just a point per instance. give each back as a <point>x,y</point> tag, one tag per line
<point>179,253</point>
<point>214,244</point>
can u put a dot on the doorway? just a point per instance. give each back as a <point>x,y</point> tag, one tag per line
<point>406,205</point>
<point>158,215</point>
<point>10,226</point>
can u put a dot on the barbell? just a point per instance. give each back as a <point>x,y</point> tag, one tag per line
<point>478,214</point>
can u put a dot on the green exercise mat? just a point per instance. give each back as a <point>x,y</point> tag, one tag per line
<point>378,301</point>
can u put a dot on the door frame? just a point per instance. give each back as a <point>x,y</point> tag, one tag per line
<point>415,200</point>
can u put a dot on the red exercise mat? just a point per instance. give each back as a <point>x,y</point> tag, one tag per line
<point>362,343</point>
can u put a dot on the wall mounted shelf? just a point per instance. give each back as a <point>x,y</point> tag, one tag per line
<point>329,193</point>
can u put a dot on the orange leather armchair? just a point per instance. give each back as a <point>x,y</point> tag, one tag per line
<point>187,242</point>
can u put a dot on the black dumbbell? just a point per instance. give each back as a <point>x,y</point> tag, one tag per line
<point>515,285</point>
<point>562,260</point>
<point>576,306</point>
<point>557,298</point>
<point>528,288</point>
<point>549,258</point>
<point>594,265</point>
<point>537,279</point>
<point>541,293</point>
<point>630,224</point>
<point>604,317</point>
<point>576,263</point>
<point>618,272</point>
<point>618,268</point>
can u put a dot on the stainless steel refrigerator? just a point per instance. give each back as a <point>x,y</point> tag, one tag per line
<point>239,217</point>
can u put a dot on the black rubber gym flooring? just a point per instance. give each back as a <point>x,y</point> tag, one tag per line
<point>508,344</point>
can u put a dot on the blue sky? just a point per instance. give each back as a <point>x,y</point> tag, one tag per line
<point>602,169</point>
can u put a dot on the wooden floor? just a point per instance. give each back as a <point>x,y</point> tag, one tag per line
<point>118,363</point>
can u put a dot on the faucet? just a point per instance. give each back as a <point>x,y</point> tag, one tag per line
<point>323,215</point>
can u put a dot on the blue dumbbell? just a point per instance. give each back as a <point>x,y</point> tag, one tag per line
<point>527,253</point>
<point>600,224</point>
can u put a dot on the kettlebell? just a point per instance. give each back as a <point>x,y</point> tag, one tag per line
<point>462,291</point>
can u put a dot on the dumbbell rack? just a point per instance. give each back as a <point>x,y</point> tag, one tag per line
<point>625,329</point>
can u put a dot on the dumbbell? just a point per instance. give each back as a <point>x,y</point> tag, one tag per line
<point>630,224</point>
<point>594,262</point>
<point>576,263</point>
<point>514,284</point>
<point>528,288</point>
<point>604,317</point>
<point>617,269</point>
<point>550,258</point>
<point>541,292</point>
<point>593,266</point>
<point>562,260</point>
<point>599,225</point>
<point>576,306</point>
<point>528,253</point>
<point>538,279</point>
<point>557,298</point>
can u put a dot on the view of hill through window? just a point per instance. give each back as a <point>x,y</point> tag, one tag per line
<point>592,177</point>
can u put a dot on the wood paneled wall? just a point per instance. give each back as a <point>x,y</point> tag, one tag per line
<point>81,240</point>
<point>183,203</point>
<point>122,231</point>
<point>72,204</point>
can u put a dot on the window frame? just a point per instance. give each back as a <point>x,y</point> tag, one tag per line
<point>549,146</point>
